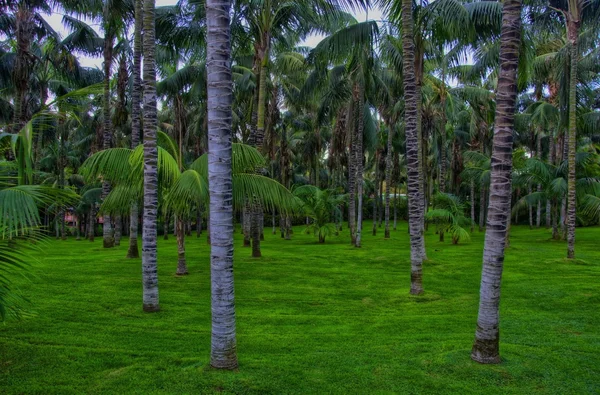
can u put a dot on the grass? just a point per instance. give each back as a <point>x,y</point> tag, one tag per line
<point>312,318</point>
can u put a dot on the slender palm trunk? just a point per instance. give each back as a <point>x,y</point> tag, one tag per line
<point>223,340</point>
<point>412,150</point>
<point>107,234</point>
<point>359,163</point>
<point>572,33</point>
<point>395,207</point>
<point>136,124</point>
<point>487,341</point>
<point>482,202</point>
<point>181,264</point>
<point>388,181</point>
<point>472,196</point>
<point>149,233</point>
<point>352,122</point>
<point>118,230</point>
<point>376,198</point>
<point>92,224</point>
<point>530,208</point>
<point>199,222</point>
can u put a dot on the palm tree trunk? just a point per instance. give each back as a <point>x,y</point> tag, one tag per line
<point>572,33</point>
<point>180,233</point>
<point>108,239</point>
<point>118,230</point>
<point>359,90</point>
<point>482,202</point>
<point>376,197</point>
<point>352,124</point>
<point>388,181</point>
<point>149,233</point>
<point>223,340</point>
<point>92,224</point>
<point>24,30</point>
<point>247,224</point>
<point>136,124</point>
<point>530,208</point>
<point>472,196</point>
<point>395,207</point>
<point>415,217</point>
<point>486,346</point>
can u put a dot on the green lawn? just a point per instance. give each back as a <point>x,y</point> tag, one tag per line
<point>311,319</point>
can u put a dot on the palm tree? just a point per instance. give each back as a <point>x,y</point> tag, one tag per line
<point>223,354</point>
<point>412,148</point>
<point>149,267</point>
<point>486,346</point>
<point>319,205</point>
<point>449,215</point>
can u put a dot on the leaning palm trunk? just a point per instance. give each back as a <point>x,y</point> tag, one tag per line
<point>180,233</point>
<point>136,124</point>
<point>412,150</point>
<point>149,264</point>
<point>486,346</point>
<point>572,33</point>
<point>223,353</point>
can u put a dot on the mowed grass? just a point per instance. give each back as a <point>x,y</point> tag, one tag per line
<point>312,318</point>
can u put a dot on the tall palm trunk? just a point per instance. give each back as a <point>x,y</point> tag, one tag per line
<point>108,239</point>
<point>388,180</point>
<point>136,124</point>
<point>572,33</point>
<point>376,199</point>
<point>149,266</point>
<point>352,172</point>
<point>487,341</point>
<point>412,150</point>
<point>92,224</point>
<point>359,160</point>
<point>223,341</point>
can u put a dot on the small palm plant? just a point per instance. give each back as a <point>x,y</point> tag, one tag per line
<point>320,206</point>
<point>449,216</point>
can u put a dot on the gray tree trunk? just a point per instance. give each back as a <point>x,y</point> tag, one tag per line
<point>149,233</point>
<point>180,233</point>
<point>486,348</point>
<point>415,200</point>
<point>223,339</point>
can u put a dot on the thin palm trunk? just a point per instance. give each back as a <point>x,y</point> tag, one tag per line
<point>482,202</point>
<point>486,348</point>
<point>136,124</point>
<point>92,224</point>
<point>572,33</point>
<point>412,150</point>
<point>223,340</point>
<point>149,233</point>
<point>118,230</point>
<point>530,208</point>
<point>472,196</point>
<point>359,162</point>
<point>24,31</point>
<point>352,172</point>
<point>107,234</point>
<point>388,181</point>
<point>180,233</point>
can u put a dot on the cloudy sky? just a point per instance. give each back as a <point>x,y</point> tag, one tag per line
<point>55,21</point>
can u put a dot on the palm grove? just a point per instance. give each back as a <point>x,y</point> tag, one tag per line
<point>205,115</point>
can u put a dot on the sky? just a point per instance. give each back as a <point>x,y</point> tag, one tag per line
<point>55,21</point>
